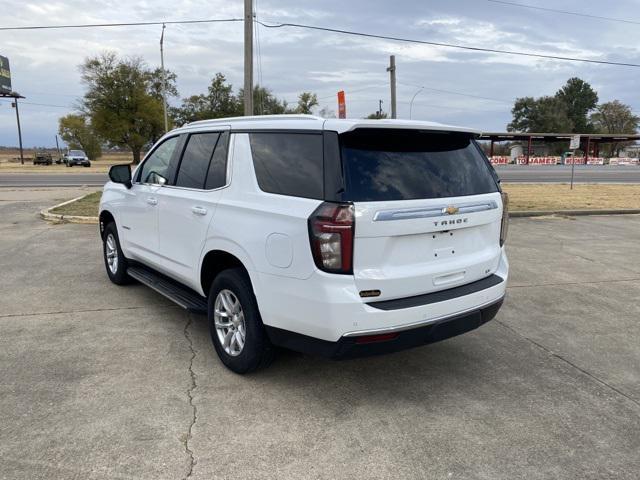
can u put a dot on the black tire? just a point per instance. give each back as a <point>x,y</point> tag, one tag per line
<point>119,276</point>
<point>257,351</point>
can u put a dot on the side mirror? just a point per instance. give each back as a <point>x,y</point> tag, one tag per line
<point>121,174</point>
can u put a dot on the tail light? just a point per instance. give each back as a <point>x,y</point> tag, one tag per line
<point>331,228</point>
<point>504,227</point>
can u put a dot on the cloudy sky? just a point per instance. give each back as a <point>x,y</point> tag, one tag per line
<point>44,63</point>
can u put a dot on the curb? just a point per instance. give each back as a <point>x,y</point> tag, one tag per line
<point>59,218</point>
<point>572,213</point>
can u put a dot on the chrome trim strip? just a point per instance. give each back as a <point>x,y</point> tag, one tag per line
<point>421,323</point>
<point>428,212</point>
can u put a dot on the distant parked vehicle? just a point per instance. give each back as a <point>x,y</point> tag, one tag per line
<point>42,158</point>
<point>76,157</point>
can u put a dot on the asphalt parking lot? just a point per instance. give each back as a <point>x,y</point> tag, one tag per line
<point>99,381</point>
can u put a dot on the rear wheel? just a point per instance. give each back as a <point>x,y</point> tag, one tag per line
<point>114,260</point>
<point>235,324</point>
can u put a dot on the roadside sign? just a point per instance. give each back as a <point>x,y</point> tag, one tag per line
<point>575,142</point>
<point>5,75</point>
<point>342,106</point>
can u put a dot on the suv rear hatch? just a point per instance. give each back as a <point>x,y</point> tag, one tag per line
<point>428,210</point>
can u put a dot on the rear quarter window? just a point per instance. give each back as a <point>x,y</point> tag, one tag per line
<point>386,165</point>
<point>288,163</point>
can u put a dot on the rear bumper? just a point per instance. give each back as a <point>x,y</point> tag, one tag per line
<point>329,307</point>
<point>360,346</point>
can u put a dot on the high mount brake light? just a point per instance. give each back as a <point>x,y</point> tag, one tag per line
<point>331,229</point>
<point>504,226</point>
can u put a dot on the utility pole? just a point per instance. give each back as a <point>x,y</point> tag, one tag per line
<point>392,77</point>
<point>164,80</point>
<point>58,147</point>
<point>379,108</point>
<point>248,57</point>
<point>15,105</point>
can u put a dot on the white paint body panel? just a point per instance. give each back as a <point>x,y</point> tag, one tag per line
<point>268,233</point>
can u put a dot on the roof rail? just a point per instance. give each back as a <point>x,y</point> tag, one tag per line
<point>294,116</point>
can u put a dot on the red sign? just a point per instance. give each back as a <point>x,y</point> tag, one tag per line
<point>342,106</point>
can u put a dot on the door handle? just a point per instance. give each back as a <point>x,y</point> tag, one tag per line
<point>199,210</point>
<point>152,201</point>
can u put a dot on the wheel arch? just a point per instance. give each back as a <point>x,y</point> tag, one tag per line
<point>105,218</point>
<point>214,262</point>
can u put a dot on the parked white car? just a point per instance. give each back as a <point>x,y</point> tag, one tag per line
<point>333,237</point>
<point>77,157</point>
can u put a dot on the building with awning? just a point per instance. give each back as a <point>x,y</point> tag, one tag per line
<point>589,142</point>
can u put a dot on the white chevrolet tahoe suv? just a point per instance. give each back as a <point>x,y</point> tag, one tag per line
<point>333,237</point>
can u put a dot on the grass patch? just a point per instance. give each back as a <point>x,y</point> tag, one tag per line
<point>521,197</point>
<point>582,197</point>
<point>86,207</point>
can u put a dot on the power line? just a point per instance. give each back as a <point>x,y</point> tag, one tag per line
<point>564,12</point>
<point>349,92</point>
<point>447,45</point>
<point>43,104</point>
<point>456,93</point>
<point>122,24</point>
<point>344,32</point>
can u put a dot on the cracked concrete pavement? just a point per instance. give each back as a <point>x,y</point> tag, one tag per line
<point>100,381</point>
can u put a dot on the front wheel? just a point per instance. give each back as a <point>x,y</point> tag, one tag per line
<point>235,324</point>
<point>114,259</point>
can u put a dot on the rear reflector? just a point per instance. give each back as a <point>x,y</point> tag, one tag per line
<point>383,337</point>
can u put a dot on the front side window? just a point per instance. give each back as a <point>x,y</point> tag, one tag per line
<point>393,165</point>
<point>195,159</point>
<point>154,169</point>
<point>288,163</point>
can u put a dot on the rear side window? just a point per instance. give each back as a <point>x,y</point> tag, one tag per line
<point>195,160</point>
<point>386,165</point>
<point>288,163</point>
<point>217,175</point>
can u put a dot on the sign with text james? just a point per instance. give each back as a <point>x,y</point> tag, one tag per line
<point>5,75</point>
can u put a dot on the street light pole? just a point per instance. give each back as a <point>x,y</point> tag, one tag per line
<point>412,99</point>
<point>164,80</point>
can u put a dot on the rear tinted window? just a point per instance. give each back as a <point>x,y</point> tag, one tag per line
<point>406,165</point>
<point>195,160</point>
<point>288,163</point>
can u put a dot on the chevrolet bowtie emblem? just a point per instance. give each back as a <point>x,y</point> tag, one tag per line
<point>450,210</point>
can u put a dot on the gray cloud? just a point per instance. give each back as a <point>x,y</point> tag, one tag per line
<point>44,63</point>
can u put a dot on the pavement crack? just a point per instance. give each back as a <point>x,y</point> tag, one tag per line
<point>88,310</point>
<point>190,390</point>
<point>570,363</point>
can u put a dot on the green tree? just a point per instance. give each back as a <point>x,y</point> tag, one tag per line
<point>78,134</point>
<point>378,115</point>
<point>265,102</point>
<point>543,115</point>
<point>615,117</point>
<point>218,102</point>
<point>306,102</point>
<point>121,102</point>
<point>155,83</point>
<point>580,98</point>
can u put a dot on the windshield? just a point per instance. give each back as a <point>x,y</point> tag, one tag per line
<point>77,153</point>
<point>384,165</point>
